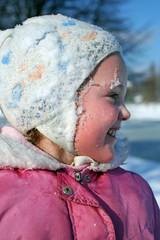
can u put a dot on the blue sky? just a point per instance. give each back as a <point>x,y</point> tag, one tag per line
<point>141,12</point>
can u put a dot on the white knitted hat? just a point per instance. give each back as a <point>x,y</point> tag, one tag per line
<point>42,65</point>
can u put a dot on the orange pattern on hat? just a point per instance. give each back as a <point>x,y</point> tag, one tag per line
<point>37,74</point>
<point>23,67</point>
<point>89,37</point>
<point>66,34</point>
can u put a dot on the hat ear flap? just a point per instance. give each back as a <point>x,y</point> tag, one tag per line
<point>4,35</point>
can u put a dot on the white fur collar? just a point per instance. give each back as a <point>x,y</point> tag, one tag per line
<point>16,152</point>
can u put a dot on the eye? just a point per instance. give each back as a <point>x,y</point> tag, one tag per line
<point>114,96</point>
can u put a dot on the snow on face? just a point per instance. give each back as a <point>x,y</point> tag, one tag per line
<point>115,82</point>
<point>83,89</point>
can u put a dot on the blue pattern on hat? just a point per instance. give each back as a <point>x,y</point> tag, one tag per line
<point>69,23</point>
<point>15,96</point>
<point>6,58</point>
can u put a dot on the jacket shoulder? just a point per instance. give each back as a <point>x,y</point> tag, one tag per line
<point>132,177</point>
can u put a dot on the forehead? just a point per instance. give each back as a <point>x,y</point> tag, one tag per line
<point>111,72</point>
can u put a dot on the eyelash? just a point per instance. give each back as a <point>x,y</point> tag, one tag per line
<point>114,95</point>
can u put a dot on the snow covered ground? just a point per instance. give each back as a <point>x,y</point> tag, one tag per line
<point>149,170</point>
<point>149,111</point>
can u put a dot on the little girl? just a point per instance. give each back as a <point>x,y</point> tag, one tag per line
<point>62,88</point>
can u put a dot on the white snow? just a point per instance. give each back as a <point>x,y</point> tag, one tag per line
<point>115,83</point>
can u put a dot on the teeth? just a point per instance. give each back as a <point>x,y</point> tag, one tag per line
<point>112,132</point>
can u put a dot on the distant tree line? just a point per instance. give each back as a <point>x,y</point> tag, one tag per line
<point>146,90</point>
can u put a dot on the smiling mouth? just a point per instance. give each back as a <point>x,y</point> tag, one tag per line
<point>112,132</point>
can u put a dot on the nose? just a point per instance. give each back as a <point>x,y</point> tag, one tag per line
<point>124,114</point>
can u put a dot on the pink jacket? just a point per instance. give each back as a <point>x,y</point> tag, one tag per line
<point>71,203</point>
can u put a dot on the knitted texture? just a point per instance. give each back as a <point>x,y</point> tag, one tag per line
<point>43,62</point>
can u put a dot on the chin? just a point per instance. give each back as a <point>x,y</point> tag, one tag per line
<point>109,156</point>
<point>106,157</point>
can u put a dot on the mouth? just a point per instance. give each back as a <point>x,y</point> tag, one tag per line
<point>112,132</point>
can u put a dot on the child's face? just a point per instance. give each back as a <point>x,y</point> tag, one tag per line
<point>103,110</point>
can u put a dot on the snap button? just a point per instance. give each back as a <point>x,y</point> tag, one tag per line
<point>67,190</point>
<point>87,178</point>
<point>78,177</point>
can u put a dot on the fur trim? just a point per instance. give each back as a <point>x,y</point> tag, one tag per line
<point>16,152</point>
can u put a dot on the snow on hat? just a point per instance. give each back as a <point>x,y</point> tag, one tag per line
<point>43,62</point>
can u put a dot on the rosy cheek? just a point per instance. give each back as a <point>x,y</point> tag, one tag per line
<point>111,111</point>
<point>104,112</point>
